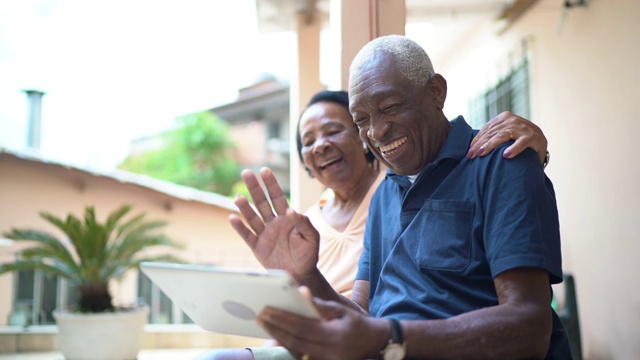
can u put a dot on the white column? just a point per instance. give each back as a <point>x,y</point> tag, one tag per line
<point>305,82</point>
<point>353,24</point>
<point>360,21</point>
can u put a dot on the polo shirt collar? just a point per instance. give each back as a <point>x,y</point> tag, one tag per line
<point>457,144</point>
<point>455,147</point>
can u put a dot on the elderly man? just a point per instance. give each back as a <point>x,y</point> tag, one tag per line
<point>459,254</point>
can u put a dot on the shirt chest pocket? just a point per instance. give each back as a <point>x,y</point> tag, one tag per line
<point>442,235</point>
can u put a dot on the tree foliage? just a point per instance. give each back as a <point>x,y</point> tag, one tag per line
<point>195,154</point>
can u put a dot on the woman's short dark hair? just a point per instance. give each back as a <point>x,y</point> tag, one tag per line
<point>337,97</point>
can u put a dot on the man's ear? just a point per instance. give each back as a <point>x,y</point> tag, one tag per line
<point>438,87</point>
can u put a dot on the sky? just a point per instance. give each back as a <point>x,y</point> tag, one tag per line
<point>117,70</point>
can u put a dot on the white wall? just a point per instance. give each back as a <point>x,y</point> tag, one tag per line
<point>585,85</point>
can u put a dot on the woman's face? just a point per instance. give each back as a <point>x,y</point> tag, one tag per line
<point>331,146</point>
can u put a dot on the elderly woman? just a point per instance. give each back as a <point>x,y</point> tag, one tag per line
<point>331,150</point>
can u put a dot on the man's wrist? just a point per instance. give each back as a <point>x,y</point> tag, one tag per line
<point>396,345</point>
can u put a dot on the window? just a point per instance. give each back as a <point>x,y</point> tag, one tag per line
<point>161,309</point>
<point>511,93</point>
<point>273,130</point>
<point>36,295</point>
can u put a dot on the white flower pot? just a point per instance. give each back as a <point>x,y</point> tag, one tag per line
<point>101,336</point>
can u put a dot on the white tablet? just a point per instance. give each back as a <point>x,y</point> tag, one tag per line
<point>228,300</point>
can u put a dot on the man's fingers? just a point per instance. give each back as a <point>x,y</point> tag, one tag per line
<point>328,309</point>
<point>288,329</point>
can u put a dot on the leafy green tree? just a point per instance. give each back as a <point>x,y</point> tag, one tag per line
<point>195,154</point>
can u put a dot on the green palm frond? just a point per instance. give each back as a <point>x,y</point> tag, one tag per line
<point>97,251</point>
<point>129,224</point>
<point>132,239</point>
<point>128,248</point>
<point>117,215</point>
<point>72,227</point>
<point>36,265</point>
<point>42,255</point>
<point>44,241</point>
<point>94,235</point>
<point>137,262</point>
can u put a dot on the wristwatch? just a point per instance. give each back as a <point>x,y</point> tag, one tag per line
<point>396,348</point>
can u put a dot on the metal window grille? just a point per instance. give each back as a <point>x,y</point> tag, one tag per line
<point>511,93</point>
<point>36,295</point>
<point>162,309</point>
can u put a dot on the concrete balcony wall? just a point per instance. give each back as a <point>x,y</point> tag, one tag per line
<point>45,338</point>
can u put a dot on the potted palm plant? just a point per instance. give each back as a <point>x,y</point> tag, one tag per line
<point>93,254</point>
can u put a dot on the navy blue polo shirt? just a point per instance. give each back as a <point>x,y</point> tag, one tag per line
<point>432,249</point>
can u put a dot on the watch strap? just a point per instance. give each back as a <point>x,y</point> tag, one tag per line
<point>547,157</point>
<point>396,335</point>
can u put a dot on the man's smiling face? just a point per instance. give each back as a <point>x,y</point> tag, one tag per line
<point>396,117</point>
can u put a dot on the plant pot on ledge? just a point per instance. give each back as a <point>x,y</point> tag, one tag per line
<point>113,335</point>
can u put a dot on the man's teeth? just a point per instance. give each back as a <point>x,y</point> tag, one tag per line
<point>393,145</point>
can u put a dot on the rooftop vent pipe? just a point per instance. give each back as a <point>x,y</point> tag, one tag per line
<point>35,118</point>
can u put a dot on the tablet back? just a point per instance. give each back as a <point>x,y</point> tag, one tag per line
<point>228,300</point>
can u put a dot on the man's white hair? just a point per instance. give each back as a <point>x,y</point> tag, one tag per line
<point>411,59</point>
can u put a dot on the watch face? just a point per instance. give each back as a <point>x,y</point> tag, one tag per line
<point>394,351</point>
